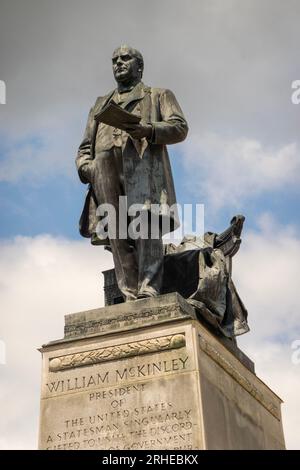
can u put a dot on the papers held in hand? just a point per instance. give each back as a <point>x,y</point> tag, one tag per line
<point>113,115</point>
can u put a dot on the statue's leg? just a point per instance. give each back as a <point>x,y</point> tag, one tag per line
<point>125,268</point>
<point>150,256</point>
<point>108,185</point>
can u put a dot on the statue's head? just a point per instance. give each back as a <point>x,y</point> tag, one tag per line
<point>128,64</point>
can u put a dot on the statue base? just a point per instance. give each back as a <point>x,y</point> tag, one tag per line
<point>148,375</point>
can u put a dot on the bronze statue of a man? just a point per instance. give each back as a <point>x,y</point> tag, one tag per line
<point>132,163</point>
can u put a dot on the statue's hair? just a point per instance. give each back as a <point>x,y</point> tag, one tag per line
<point>135,54</point>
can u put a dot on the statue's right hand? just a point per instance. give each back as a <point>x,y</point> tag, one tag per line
<point>87,171</point>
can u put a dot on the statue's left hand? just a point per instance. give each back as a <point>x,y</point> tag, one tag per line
<point>138,131</point>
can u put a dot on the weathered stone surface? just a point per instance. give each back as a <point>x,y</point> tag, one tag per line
<point>156,382</point>
<point>128,316</point>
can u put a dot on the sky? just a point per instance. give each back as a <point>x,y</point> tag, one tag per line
<point>231,65</point>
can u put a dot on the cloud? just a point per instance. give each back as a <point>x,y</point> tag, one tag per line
<point>44,278</point>
<point>230,64</point>
<point>268,270</point>
<point>34,158</point>
<point>228,172</point>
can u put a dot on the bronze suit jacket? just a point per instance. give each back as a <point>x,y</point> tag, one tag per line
<point>147,179</point>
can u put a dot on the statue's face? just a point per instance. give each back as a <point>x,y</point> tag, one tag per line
<point>126,67</point>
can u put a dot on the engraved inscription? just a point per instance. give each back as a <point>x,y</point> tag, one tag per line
<point>136,395</point>
<point>156,425</point>
<point>110,376</point>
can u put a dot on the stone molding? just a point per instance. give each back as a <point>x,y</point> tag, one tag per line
<point>159,314</point>
<point>119,351</point>
<point>239,378</point>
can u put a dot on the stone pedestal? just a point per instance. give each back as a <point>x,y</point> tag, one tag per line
<point>148,375</point>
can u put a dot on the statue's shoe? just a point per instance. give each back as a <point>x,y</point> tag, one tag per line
<point>146,294</point>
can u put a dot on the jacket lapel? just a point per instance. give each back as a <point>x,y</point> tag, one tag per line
<point>137,94</point>
<point>101,102</point>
